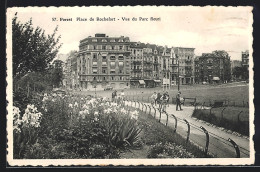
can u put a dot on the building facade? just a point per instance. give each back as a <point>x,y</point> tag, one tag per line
<point>184,62</point>
<point>115,61</point>
<point>103,61</point>
<point>245,58</point>
<point>197,70</point>
<point>214,67</point>
<point>70,72</point>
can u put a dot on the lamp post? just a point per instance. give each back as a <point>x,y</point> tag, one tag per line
<point>178,74</point>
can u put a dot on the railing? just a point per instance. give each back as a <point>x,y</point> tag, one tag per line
<point>172,121</point>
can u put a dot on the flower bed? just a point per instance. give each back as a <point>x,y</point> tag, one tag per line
<point>69,127</point>
<point>74,127</point>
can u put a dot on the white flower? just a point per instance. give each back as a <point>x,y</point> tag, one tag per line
<point>16,119</point>
<point>76,104</point>
<point>108,110</point>
<point>123,111</point>
<point>31,117</point>
<point>44,99</point>
<point>134,115</point>
<point>70,105</point>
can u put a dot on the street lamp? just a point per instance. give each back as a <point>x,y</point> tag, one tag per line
<point>178,73</point>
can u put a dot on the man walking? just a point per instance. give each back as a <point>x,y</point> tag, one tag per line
<point>154,97</point>
<point>178,101</point>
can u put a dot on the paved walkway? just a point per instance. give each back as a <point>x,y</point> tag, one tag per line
<point>219,145</point>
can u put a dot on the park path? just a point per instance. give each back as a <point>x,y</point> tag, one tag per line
<point>219,145</point>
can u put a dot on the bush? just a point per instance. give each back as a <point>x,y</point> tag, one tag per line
<point>168,150</point>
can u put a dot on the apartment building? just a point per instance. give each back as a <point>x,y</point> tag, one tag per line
<point>104,60</point>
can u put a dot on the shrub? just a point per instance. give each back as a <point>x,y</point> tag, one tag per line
<point>168,150</point>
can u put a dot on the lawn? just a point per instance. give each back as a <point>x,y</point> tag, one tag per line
<point>230,118</point>
<point>234,94</point>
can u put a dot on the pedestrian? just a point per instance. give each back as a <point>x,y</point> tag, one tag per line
<point>114,96</point>
<point>122,95</point>
<point>167,98</point>
<point>178,101</point>
<point>164,101</point>
<point>153,98</point>
<point>158,99</point>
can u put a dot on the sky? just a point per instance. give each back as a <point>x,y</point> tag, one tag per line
<point>204,28</point>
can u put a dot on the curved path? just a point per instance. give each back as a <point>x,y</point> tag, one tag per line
<point>219,145</point>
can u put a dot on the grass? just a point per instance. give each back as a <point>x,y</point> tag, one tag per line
<point>155,133</point>
<point>235,95</point>
<point>230,122</point>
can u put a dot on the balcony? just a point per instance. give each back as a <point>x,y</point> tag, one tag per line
<point>137,70</point>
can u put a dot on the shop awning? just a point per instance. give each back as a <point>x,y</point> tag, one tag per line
<point>141,82</point>
<point>157,80</point>
<point>216,78</point>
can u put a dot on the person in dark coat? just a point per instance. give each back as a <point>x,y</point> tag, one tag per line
<point>114,95</point>
<point>178,101</point>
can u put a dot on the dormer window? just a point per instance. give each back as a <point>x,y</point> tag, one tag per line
<point>112,40</point>
<point>104,40</point>
<point>94,40</point>
<point>120,40</point>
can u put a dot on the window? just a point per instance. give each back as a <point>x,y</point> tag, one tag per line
<point>104,57</point>
<point>104,71</point>
<point>120,77</point>
<point>94,47</point>
<point>120,47</point>
<point>94,56</point>
<point>112,78</point>
<point>120,71</point>
<point>94,78</point>
<point>104,40</point>
<point>112,64</point>
<point>112,58</point>
<point>94,70</point>
<point>94,63</point>
<point>121,40</point>
<point>112,47</point>
<point>121,58</point>
<point>104,78</point>
<point>103,47</point>
<point>94,40</point>
<point>112,40</point>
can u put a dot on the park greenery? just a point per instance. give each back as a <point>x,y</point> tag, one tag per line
<point>64,127</point>
<point>47,125</point>
<point>33,51</point>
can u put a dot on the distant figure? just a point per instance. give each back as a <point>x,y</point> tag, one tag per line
<point>114,95</point>
<point>178,101</point>
<point>164,100</point>
<point>122,95</point>
<point>153,98</point>
<point>158,99</point>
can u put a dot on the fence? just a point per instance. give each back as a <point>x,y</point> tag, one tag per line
<point>226,147</point>
<point>136,96</point>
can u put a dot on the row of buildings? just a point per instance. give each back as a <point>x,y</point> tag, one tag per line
<point>120,63</point>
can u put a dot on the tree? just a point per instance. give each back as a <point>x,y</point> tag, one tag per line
<point>33,50</point>
<point>241,72</point>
